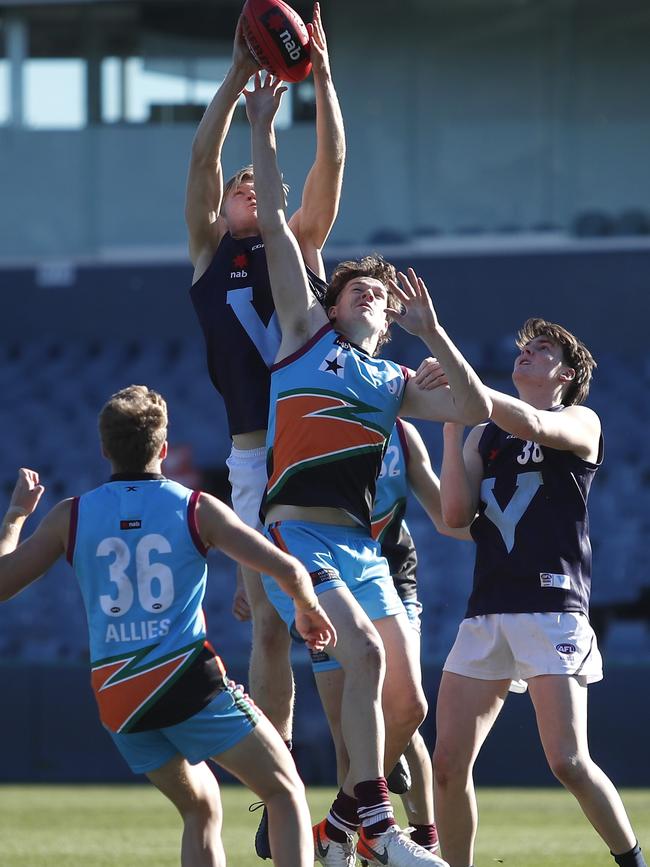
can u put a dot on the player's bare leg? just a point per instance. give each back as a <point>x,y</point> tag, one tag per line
<point>561,709</point>
<point>194,792</point>
<point>418,801</point>
<point>466,711</point>
<point>360,651</point>
<point>404,703</point>
<point>330,687</point>
<point>330,690</point>
<point>262,762</point>
<point>270,679</point>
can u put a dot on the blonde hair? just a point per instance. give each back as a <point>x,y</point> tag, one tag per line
<point>374,266</point>
<point>574,353</point>
<point>244,174</point>
<point>133,427</point>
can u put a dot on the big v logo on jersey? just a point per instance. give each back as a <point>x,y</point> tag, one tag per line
<point>506,520</point>
<point>265,337</point>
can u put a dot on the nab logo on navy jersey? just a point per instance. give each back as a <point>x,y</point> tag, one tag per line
<point>239,264</point>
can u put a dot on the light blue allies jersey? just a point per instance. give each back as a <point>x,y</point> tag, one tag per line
<point>135,548</point>
<point>333,408</point>
<point>388,522</point>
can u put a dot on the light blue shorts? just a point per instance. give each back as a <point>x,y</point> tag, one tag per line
<point>334,556</point>
<point>230,717</point>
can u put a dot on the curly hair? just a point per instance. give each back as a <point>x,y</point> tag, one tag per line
<point>133,427</point>
<point>374,266</point>
<point>574,353</point>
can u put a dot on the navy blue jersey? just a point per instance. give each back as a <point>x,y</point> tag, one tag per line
<point>399,550</point>
<point>532,530</point>
<point>234,304</point>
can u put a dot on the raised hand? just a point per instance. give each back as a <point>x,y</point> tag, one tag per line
<point>242,60</point>
<point>26,494</point>
<point>263,101</point>
<point>315,627</point>
<point>320,59</point>
<point>418,315</point>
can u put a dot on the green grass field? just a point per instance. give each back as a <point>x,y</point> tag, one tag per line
<point>133,826</point>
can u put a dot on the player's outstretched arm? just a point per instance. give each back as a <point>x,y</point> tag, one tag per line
<point>574,429</point>
<point>205,177</point>
<point>461,475</point>
<point>425,483</point>
<point>313,221</point>
<point>299,313</point>
<point>467,399</point>
<point>220,527</point>
<point>24,563</point>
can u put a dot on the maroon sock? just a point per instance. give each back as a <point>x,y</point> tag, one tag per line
<point>375,808</point>
<point>343,818</point>
<point>425,836</point>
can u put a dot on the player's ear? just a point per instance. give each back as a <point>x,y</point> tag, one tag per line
<point>567,374</point>
<point>331,313</point>
<point>163,450</point>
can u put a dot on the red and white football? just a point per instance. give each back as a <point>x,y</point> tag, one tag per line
<point>277,38</point>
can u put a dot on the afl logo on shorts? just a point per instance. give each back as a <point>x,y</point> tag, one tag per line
<point>566,648</point>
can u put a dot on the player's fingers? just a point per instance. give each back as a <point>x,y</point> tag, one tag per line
<point>407,286</point>
<point>423,287</point>
<point>415,281</point>
<point>398,290</point>
<point>32,477</point>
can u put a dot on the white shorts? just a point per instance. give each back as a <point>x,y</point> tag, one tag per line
<point>521,646</point>
<point>247,477</point>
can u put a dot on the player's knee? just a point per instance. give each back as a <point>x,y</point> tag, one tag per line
<point>371,658</point>
<point>409,711</point>
<point>286,783</point>
<point>569,768</point>
<point>202,811</point>
<point>448,766</point>
<point>270,633</point>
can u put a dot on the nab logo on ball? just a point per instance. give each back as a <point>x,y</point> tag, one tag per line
<point>277,38</point>
<point>279,26</point>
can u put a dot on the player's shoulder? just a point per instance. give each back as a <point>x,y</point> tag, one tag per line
<point>63,509</point>
<point>59,520</point>
<point>582,413</point>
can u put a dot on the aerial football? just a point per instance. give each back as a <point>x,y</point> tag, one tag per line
<point>277,38</point>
